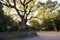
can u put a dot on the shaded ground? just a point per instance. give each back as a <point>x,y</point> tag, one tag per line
<point>42,36</point>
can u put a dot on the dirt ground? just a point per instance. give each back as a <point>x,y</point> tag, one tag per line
<point>43,36</point>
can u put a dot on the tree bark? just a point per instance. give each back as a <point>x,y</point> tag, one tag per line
<point>54,25</point>
<point>22,24</point>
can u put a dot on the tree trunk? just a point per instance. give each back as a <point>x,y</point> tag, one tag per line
<point>22,25</point>
<point>54,25</point>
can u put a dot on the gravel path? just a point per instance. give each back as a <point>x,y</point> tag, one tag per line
<point>44,36</point>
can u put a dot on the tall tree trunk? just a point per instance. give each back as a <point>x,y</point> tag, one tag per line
<point>22,24</point>
<point>54,25</point>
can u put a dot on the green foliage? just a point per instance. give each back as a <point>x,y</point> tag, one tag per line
<point>5,21</point>
<point>46,14</point>
<point>34,24</point>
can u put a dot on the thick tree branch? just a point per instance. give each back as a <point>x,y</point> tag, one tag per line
<point>29,11</point>
<point>14,1</point>
<point>4,4</point>
<point>8,2</point>
<point>21,2</point>
<point>18,13</point>
<point>13,7</point>
<point>28,2</point>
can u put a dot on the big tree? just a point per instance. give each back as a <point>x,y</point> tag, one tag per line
<point>24,8</point>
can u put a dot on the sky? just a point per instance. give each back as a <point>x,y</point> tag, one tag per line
<point>46,0</point>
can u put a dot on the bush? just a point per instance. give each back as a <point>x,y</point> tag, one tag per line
<point>6,20</point>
